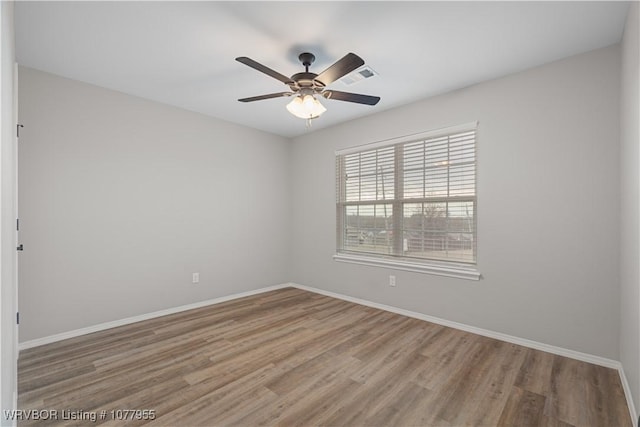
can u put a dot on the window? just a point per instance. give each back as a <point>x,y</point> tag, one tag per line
<point>410,203</point>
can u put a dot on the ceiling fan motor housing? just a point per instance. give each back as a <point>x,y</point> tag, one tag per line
<point>306,80</point>
<point>307,83</point>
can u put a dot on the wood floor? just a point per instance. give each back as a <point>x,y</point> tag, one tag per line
<point>295,358</point>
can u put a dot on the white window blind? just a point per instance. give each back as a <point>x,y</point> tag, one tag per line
<point>410,200</point>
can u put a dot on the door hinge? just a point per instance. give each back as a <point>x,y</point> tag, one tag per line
<point>17,318</point>
<point>18,126</point>
<point>20,248</point>
<point>17,224</point>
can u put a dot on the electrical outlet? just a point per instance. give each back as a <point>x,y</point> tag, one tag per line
<point>196,278</point>
<point>392,280</point>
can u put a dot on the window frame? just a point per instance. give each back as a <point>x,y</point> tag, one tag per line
<point>449,268</point>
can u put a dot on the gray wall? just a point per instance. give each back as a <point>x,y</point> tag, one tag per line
<point>548,206</point>
<point>8,306</point>
<point>630,204</point>
<point>122,199</point>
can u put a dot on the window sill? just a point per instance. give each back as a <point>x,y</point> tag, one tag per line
<point>458,271</point>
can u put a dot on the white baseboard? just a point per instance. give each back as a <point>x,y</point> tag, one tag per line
<point>129,320</point>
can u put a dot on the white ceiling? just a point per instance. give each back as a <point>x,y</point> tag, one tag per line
<point>182,53</point>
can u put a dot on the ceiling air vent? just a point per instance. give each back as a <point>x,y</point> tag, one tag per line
<point>360,74</point>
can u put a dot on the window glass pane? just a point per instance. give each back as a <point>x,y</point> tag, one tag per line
<point>369,228</point>
<point>368,187</point>
<point>461,227</point>
<point>462,148</point>
<point>425,229</point>
<point>462,180</point>
<point>436,150</point>
<point>428,177</point>
<point>436,181</point>
<point>460,216</point>
<point>413,216</point>
<point>414,184</point>
<point>352,188</point>
<point>460,247</point>
<point>369,175</point>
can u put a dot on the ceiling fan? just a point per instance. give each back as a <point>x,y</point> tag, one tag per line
<point>305,86</point>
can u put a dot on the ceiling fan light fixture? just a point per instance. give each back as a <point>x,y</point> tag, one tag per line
<point>306,107</point>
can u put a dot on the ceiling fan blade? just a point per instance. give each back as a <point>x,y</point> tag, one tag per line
<point>351,97</point>
<point>264,69</point>
<point>268,96</point>
<point>341,68</point>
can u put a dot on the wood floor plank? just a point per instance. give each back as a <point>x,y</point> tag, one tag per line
<point>569,400</point>
<point>401,409</point>
<point>447,350</point>
<point>464,385</point>
<point>311,409</point>
<point>292,357</point>
<point>172,411</point>
<point>79,386</point>
<point>524,408</point>
<point>491,391</point>
<point>535,372</point>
